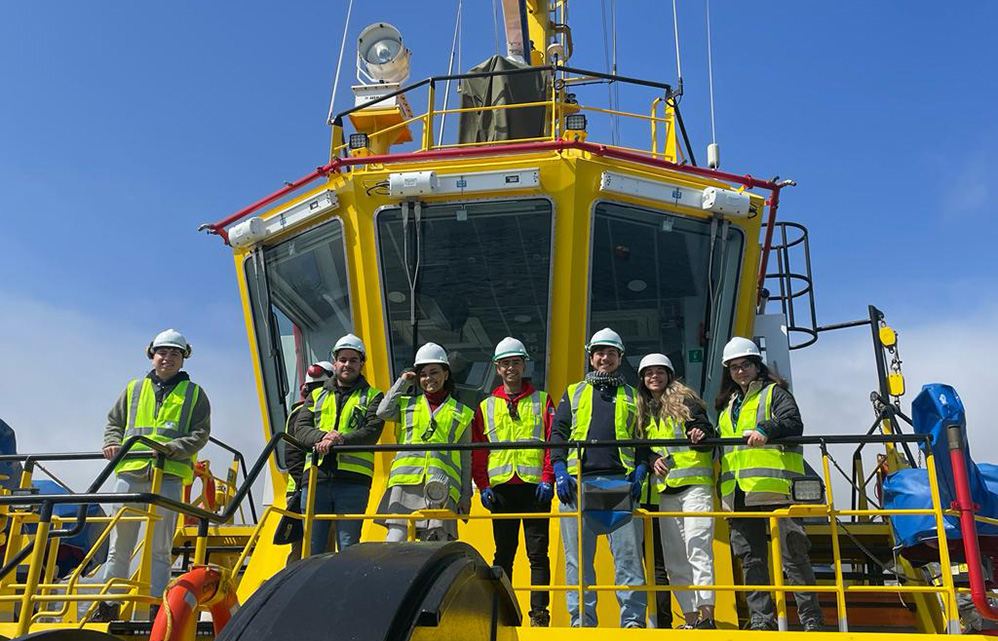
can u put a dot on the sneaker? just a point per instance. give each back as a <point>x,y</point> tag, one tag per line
<point>540,620</point>
<point>705,624</point>
<point>812,626</point>
<point>687,626</point>
<point>633,624</point>
<point>763,625</point>
<point>106,612</point>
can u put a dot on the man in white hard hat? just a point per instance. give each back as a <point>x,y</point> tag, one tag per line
<point>516,481</point>
<point>601,407</point>
<point>341,412</point>
<point>289,530</point>
<point>166,407</point>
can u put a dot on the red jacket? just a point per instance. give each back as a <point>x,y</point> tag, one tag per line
<point>480,457</point>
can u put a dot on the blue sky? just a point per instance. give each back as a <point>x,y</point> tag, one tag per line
<point>124,125</point>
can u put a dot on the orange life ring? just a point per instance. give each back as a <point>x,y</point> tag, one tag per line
<point>202,587</point>
<point>202,472</point>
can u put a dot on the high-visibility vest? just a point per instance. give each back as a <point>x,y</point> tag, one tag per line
<point>354,412</point>
<point>173,420</point>
<point>420,426</point>
<point>289,428</point>
<point>770,468</point>
<point>690,467</point>
<point>500,427</point>
<point>580,396</point>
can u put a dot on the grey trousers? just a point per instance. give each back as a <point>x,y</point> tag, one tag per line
<point>750,542</point>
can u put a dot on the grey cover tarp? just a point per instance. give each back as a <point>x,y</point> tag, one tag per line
<point>502,124</point>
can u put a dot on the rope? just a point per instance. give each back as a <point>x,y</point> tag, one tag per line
<point>165,606</point>
<point>339,62</point>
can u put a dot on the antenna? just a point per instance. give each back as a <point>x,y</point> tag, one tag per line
<point>679,64</point>
<point>713,150</point>
<point>336,80</point>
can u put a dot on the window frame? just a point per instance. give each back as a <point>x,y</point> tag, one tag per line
<point>677,214</point>
<point>390,349</point>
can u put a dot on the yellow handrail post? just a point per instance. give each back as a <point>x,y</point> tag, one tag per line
<point>776,560</point>
<point>578,538</point>
<point>949,597</point>
<point>840,595</point>
<point>306,541</point>
<point>34,569</point>
<point>654,126</point>
<point>410,529</point>
<point>428,123</point>
<point>649,523</point>
<point>145,560</point>
<point>201,543</point>
<point>554,118</point>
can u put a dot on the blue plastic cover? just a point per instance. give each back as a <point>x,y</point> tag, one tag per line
<point>606,520</point>
<point>935,408</point>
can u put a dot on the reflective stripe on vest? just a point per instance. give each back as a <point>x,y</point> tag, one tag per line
<point>289,428</point>
<point>421,426</point>
<point>770,468</point>
<point>355,407</point>
<point>690,467</point>
<point>171,421</point>
<point>580,396</point>
<point>501,428</point>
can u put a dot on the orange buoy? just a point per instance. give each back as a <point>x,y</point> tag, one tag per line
<point>204,587</point>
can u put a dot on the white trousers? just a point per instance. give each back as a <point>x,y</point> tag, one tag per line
<point>687,544</point>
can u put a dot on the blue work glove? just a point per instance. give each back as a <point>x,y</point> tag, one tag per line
<point>544,492</point>
<point>488,499</point>
<point>564,483</point>
<point>637,479</point>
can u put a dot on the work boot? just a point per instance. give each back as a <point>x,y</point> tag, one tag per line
<point>705,624</point>
<point>812,626</point>
<point>106,612</point>
<point>763,624</point>
<point>540,619</point>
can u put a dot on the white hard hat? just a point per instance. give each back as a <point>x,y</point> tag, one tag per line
<point>739,347</point>
<point>350,342</point>
<point>318,372</point>
<point>431,353</point>
<point>606,336</point>
<point>656,359</point>
<point>170,338</point>
<point>508,347</point>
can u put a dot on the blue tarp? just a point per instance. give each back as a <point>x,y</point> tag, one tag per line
<point>936,407</point>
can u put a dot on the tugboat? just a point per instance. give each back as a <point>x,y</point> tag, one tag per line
<point>412,232</point>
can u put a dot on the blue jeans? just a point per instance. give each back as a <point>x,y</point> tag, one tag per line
<point>125,535</point>
<point>337,497</point>
<point>625,545</point>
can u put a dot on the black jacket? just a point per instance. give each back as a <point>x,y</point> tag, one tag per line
<point>308,433</point>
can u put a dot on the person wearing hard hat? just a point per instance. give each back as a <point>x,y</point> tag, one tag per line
<point>166,407</point>
<point>517,481</point>
<point>343,411</point>
<point>289,529</point>
<point>421,480</point>
<point>755,404</point>
<point>601,407</point>
<point>683,482</point>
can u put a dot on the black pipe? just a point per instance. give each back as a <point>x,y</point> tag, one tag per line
<point>682,130</point>
<point>242,465</point>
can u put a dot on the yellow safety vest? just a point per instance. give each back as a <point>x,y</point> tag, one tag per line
<point>770,468</point>
<point>500,427</point>
<point>580,396</point>
<point>690,467</point>
<point>173,420</point>
<point>420,426</point>
<point>329,419</point>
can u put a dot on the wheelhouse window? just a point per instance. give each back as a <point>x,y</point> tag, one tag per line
<point>667,284</point>
<point>301,304</point>
<point>466,276</point>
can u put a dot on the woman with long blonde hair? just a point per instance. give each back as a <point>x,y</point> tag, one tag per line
<point>684,480</point>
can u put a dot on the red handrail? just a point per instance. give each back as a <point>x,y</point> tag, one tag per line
<point>968,526</point>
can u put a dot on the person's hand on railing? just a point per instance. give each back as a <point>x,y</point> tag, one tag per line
<point>637,479</point>
<point>564,483</point>
<point>329,440</point>
<point>544,492</point>
<point>110,451</point>
<point>488,498</point>
<point>661,466</point>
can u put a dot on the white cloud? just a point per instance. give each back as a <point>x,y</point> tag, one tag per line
<point>61,370</point>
